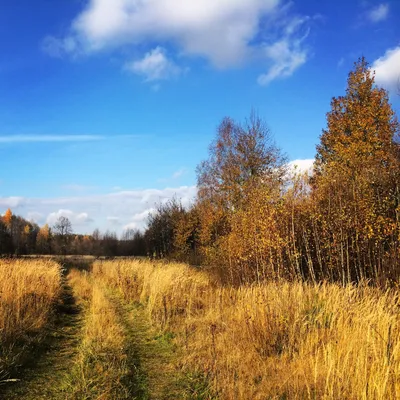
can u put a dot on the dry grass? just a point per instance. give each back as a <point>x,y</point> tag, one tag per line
<point>277,340</point>
<point>101,369</point>
<point>28,292</point>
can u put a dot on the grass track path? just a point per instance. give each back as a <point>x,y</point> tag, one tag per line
<point>42,376</point>
<point>150,354</point>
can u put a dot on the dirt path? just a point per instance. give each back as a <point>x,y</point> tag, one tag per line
<point>150,355</point>
<point>42,375</point>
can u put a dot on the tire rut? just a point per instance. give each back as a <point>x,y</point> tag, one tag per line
<point>150,355</point>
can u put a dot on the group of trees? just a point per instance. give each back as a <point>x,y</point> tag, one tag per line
<point>21,237</point>
<point>255,219</point>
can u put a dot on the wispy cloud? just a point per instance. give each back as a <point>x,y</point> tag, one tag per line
<point>24,138</point>
<point>179,173</point>
<point>378,13</point>
<point>48,138</point>
<point>175,176</point>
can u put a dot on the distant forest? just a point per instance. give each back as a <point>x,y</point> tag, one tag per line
<point>254,219</point>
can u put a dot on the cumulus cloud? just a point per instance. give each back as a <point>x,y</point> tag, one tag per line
<point>74,217</point>
<point>378,13</point>
<point>87,212</point>
<point>154,66</point>
<point>225,32</point>
<point>387,68</point>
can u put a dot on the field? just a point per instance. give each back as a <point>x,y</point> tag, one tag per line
<point>126,329</point>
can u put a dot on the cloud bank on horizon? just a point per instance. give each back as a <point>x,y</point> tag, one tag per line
<point>113,211</point>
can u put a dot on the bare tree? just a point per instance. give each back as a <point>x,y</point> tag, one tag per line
<point>62,230</point>
<point>63,227</point>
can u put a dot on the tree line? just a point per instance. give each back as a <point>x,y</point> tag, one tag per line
<point>255,219</point>
<point>21,237</point>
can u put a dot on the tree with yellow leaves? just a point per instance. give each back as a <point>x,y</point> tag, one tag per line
<point>43,240</point>
<point>8,217</point>
<point>239,185</point>
<point>356,183</point>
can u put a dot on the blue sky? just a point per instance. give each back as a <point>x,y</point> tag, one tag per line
<point>107,106</point>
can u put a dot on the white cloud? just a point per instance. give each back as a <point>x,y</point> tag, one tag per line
<point>387,69</point>
<point>301,166</point>
<point>47,138</point>
<point>11,202</point>
<point>88,212</point>
<point>154,66</point>
<point>379,13</point>
<point>287,56</point>
<point>140,217</point>
<point>225,32</point>
<point>35,217</point>
<point>131,225</point>
<point>74,217</point>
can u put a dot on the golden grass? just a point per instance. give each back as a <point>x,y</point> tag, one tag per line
<point>100,369</point>
<point>28,292</point>
<point>277,340</point>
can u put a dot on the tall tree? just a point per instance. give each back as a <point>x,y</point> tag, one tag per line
<point>244,167</point>
<point>356,183</point>
<point>242,155</point>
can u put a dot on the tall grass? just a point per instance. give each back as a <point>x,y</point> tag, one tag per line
<point>100,370</point>
<point>29,290</point>
<point>275,340</point>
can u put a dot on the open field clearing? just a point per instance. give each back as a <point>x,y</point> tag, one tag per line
<point>151,330</point>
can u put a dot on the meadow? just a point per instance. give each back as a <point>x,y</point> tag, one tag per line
<point>157,330</point>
